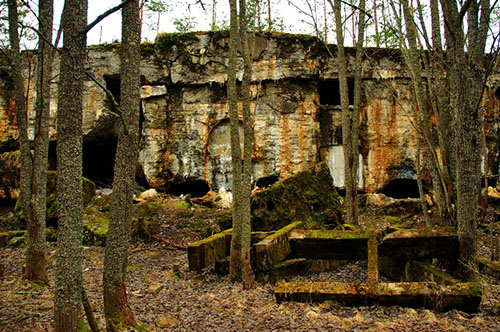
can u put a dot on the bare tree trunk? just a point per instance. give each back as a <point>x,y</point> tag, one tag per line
<point>350,120</point>
<point>325,16</point>
<point>246,187</point>
<point>375,21</point>
<point>34,166</point>
<point>353,155</point>
<point>240,266</point>
<point>384,21</point>
<point>269,20</point>
<point>467,72</point>
<point>236,245</point>
<point>257,9</point>
<point>214,14</point>
<point>68,286</point>
<point>421,111</point>
<point>116,306</point>
<point>35,253</point>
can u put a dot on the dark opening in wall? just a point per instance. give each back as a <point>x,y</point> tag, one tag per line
<point>52,156</point>
<point>266,181</point>
<point>401,188</point>
<point>99,160</point>
<point>196,188</point>
<point>329,92</point>
<point>492,181</point>
<point>113,85</point>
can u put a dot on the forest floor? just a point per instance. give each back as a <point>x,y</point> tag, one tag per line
<point>165,296</point>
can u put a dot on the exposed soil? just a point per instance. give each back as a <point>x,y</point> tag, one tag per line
<point>165,296</point>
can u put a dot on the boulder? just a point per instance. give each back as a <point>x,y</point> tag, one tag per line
<point>308,196</point>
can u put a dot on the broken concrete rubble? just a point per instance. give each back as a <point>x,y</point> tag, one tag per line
<point>308,196</point>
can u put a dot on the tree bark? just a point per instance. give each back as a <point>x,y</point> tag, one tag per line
<point>350,120</point>
<point>116,306</point>
<point>269,20</point>
<point>468,79</point>
<point>234,123</point>
<point>68,286</point>
<point>34,165</point>
<point>35,253</point>
<point>246,187</point>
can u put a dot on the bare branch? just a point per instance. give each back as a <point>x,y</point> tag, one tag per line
<point>105,14</point>
<point>197,2</point>
<point>464,9</point>
<point>357,8</point>
<point>115,107</point>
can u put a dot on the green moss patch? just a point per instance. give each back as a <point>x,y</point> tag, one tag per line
<point>339,235</point>
<point>6,237</point>
<point>107,47</point>
<point>308,196</point>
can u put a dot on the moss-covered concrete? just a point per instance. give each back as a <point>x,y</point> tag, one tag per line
<point>489,267</point>
<point>206,252</point>
<point>414,271</point>
<point>215,250</point>
<point>331,244</point>
<point>274,248</point>
<point>308,196</point>
<point>145,222</point>
<point>419,244</point>
<point>294,267</point>
<point>462,296</point>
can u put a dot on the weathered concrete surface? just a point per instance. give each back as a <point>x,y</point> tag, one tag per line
<point>462,296</point>
<point>185,110</point>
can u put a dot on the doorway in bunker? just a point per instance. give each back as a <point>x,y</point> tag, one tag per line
<point>401,188</point>
<point>99,160</point>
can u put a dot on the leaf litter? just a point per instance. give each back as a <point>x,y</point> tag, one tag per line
<point>165,296</point>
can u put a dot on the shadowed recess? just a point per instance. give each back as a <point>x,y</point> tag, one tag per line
<point>267,181</point>
<point>195,188</point>
<point>99,160</point>
<point>401,188</point>
<point>329,92</point>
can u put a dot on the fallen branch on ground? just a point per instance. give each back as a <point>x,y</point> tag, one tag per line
<point>159,237</point>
